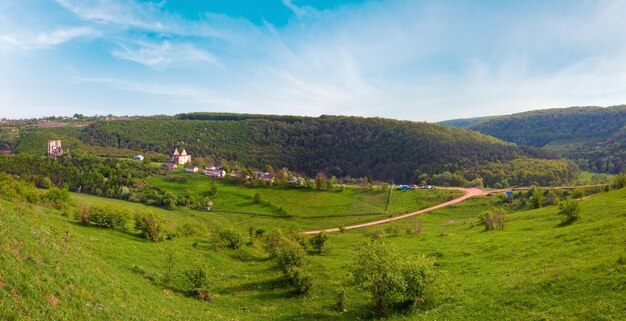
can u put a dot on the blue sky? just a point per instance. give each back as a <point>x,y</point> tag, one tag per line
<point>404,59</point>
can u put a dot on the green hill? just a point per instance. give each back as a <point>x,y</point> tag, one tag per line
<point>536,268</point>
<point>594,137</point>
<point>381,149</point>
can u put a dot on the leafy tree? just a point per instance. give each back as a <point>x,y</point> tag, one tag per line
<point>258,197</point>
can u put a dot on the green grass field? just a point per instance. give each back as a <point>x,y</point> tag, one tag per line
<point>305,207</point>
<point>535,269</point>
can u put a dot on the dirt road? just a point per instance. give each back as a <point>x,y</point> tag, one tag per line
<point>467,193</point>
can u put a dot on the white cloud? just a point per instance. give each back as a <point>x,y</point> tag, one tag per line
<point>47,39</point>
<point>161,55</point>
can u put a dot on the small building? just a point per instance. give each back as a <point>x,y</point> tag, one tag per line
<point>215,172</point>
<point>169,166</point>
<point>192,169</point>
<point>6,152</point>
<point>54,148</point>
<point>263,176</point>
<point>138,157</point>
<point>180,158</point>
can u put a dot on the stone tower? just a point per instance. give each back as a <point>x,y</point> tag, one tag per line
<point>54,148</point>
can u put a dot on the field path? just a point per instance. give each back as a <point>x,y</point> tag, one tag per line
<point>467,193</point>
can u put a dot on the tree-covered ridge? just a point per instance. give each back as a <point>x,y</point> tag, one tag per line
<point>591,136</point>
<point>342,146</point>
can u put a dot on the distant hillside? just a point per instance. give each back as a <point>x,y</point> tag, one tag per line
<point>380,149</point>
<point>465,122</point>
<point>594,137</point>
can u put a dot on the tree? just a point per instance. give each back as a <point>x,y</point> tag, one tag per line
<point>376,270</point>
<point>570,209</point>
<point>536,198</point>
<point>320,243</point>
<point>419,274</point>
<point>292,262</point>
<point>619,181</point>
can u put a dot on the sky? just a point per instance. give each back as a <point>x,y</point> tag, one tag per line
<point>404,59</point>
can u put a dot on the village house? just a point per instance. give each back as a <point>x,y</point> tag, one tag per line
<point>180,158</point>
<point>54,148</point>
<point>138,157</point>
<point>169,166</point>
<point>213,171</point>
<point>263,176</point>
<point>192,169</point>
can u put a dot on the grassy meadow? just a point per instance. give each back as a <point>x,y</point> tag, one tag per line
<point>535,269</point>
<point>305,207</point>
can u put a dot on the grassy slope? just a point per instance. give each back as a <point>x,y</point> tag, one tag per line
<point>534,269</point>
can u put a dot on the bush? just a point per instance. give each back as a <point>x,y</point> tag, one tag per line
<point>152,227</point>
<point>109,217</point>
<point>198,283</point>
<point>619,181</point>
<point>191,229</point>
<point>320,243</point>
<point>57,198</point>
<point>291,261</point>
<point>416,228</point>
<point>578,193</point>
<point>393,229</point>
<point>258,198</point>
<point>231,238</point>
<point>492,220</point>
<point>82,215</point>
<point>419,274</point>
<point>340,300</point>
<point>536,198</point>
<point>570,209</point>
<point>376,270</point>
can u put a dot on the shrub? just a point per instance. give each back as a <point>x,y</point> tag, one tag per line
<point>492,220</point>
<point>198,283</point>
<point>416,228</point>
<point>570,209</point>
<point>82,215</point>
<point>578,193</point>
<point>170,265</point>
<point>536,198</point>
<point>419,274</point>
<point>393,229</point>
<point>231,238</point>
<point>551,198</point>
<point>191,229</point>
<point>619,181</point>
<point>152,227</point>
<point>320,243</point>
<point>376,270</point>
<point>291,261</point>
<point>57,198</point>
<point>258,198</point>
<point>109,217</point>
<point>340,300</point>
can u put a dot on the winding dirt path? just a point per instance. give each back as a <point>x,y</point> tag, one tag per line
<point>467,193</point>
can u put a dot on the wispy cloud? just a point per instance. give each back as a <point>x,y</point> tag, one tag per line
<point>47,39</point>
<point>179,94</point>
<point>162,54</point>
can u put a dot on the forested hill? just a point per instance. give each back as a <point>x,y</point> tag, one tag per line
<point>341,146</point>
<point>592,136</point>
<point>465,122</point>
